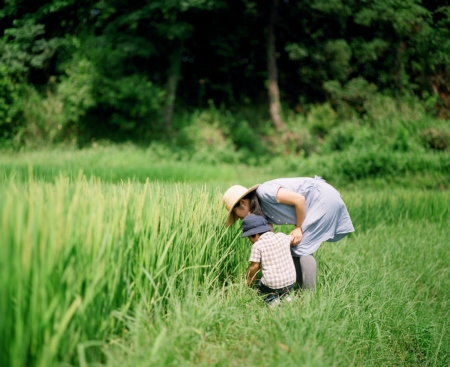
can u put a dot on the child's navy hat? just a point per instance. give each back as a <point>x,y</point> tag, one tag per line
<point>254,224</point>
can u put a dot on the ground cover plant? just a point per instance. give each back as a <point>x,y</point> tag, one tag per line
<point>134,272</point>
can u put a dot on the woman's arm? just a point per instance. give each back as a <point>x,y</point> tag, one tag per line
<point>251,273</point>
<point>289,197</point>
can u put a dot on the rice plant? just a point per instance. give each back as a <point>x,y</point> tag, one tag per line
<point>140,274</point>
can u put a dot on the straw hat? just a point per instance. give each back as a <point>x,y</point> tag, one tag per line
<point>232,197</point>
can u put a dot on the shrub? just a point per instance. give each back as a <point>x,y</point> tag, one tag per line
<point>43,118</point>
<point>435,138</point>
<point>401,141</point>
<point>352,96</point>
<point>245,138</point>
<point>204,140</point>
<point>321,119</point>
<point>382,108</point>
<point>9,101</point>
<point>292,142</point>
<point>341,137</point>
<point>76,88</point>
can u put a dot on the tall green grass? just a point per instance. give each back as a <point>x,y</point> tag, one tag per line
<point>116,164</point>
<point>76,251</point>
<point>357,167</point>
<point>371,308</point>
<point>142,274</point>
<point>382,300</point>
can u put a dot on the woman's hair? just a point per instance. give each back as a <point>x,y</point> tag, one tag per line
<point>255,208</point>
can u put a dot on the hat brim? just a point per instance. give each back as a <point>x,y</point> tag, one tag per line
<point>231,218</point>
<point>257,230</point>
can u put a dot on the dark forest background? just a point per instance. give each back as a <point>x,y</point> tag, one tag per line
<point>244,78</point>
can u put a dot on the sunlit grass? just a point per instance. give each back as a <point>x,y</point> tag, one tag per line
<point>144,273</point>
<point>74,252</point>
<point>113,164</point>
<point>117,164</point>
<point>381,300</point>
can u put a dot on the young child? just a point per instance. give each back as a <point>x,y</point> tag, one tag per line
<point>271,252</point>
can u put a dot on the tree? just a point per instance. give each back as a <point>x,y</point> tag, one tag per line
<point>272,72</point>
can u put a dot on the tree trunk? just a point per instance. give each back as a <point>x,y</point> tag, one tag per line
<point>173,77</point>
<point>272,82</point>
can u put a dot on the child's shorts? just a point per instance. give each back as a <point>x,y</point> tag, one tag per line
<point>271,295</point>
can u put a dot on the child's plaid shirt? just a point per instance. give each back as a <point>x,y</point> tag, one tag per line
<point>273,252</point>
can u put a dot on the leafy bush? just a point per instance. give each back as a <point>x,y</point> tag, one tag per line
<point>414,168</point>
<point>372,162</point>
<point>9,100</point>
<point>76,89</point>
<point>295,141</point>
<point>402,140</point>
<point>435,138</point>
<point>384,109</point>
<point>24,49</point>
<point>350,97</point>
<point>245,138</point>
<point>321,119</point>
<point>133,101</point>
<point>375,161</point>
<point>44,118</point>
<point>204,140</point>
<point>341,137</point>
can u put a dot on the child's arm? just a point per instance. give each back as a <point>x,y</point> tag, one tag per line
<point>251,273</point>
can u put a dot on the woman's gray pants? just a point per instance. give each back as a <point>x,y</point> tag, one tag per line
<point>306,269</point>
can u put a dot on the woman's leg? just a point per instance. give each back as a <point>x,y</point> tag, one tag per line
<point>298,270</point>
<point>309,271</point>
<point>306,269</point>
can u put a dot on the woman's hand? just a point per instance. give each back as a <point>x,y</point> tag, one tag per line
<point>289,197</point>
<point>296,236</point>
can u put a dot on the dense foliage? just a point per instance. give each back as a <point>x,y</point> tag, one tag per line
<point>89,70</point>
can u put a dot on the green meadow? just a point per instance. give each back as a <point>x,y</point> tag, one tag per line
<point>121,259</point>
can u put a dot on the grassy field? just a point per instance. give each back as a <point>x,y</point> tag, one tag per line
<point>136,269</point>
<point>112,165</point>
